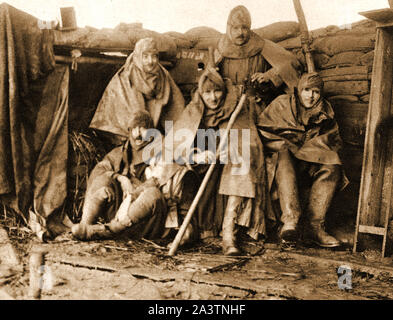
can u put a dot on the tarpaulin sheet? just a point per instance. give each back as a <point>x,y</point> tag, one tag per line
<point>33,119</point>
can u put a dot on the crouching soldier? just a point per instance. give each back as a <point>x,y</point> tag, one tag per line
<point>129,193</point>
<point>301,140</point>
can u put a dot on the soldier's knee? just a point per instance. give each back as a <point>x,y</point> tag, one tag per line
<point>103,194</point>
<point>152,194</point>
<point>332,171</point>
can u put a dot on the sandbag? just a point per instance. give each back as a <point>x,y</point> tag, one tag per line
<point>334,88</point>
<point>279,31</point>
<point>358,31</point>
<point>164,43</point>
<point>345,74</point>
<point>365,23</point>
<point>198,33</point>
<point>291,43</point>
<point>352,120</point>
<point>336,44</point>
<point>324,32</point>
<point>69,38</point>
<point>180,39</point>
<point>205,43</point>
<point>343,97</point>
<point>344,59</point>
<point>320,59</point>
<point>367,59</point>
<point>298,53</point>
<point>106,38</point>
<point>365,98</point>
<point>126,27</point>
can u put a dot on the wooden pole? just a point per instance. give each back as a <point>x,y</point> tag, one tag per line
<point>91,60</point>
<point>187,219</point>
<point>37,265</point>
<point>304,36</point>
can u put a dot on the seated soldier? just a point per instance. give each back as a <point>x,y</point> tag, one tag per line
<point>234,198</point>
<point>302,141</point>
<point>128,192</point>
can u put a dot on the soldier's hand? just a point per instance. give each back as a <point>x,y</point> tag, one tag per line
<point>106,193</point>
<point>259,77</point>
<point>204,157</point>
<point>126,185</point>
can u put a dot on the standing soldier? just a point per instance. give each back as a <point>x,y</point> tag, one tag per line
<point>246,59</point>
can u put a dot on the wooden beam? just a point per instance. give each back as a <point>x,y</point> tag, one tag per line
<point>376,183</point>
<point>92,60</point>
<point>372,230</point>
<point>383,17</point>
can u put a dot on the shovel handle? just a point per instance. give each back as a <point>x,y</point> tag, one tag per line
<point>191,210</point>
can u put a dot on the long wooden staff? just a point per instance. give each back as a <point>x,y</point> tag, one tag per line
<point>304,36</point>
<point>191,210</point>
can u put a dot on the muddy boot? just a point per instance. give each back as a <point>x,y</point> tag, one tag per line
<point>288,196</point>
<point>87,232</point>
<point>188,236</point>
<point>142,208</point>
<point>229,226</point>
<point>321,195</point>
<point>93,205</point>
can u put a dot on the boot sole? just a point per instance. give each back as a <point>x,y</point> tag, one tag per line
<point>289,235</point>
<point>334,245</point>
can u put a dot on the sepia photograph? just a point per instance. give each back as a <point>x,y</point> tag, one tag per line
<point>198,157</point>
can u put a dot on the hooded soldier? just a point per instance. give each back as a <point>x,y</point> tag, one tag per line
<point>302,141</point>
<point>142,83</point>
<point>129,192</point>
<point>265,68</point>
<point>235,194</point>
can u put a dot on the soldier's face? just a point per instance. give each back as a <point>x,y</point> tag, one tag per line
<point>310,96</point>
<point>212,95</point>
<point>149,61</point>
<point>240,34</point>
<point>138,136</point>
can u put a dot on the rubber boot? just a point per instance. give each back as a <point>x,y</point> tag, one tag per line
<point>142,208</point>
<point>321,195</point>
<point>229,226</point>
<point>128,214</point>
<point>288,195</point>
<point>87,232</point>
<point>92,207</point>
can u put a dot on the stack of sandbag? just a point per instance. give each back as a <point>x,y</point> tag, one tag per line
<point>72,37</point>
<point>124,36</point>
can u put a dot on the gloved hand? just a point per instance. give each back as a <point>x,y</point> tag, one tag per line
<point>204,157</point>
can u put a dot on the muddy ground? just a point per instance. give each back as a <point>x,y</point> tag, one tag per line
<point>142,270</point>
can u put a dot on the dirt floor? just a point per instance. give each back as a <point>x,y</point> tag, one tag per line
<point>142,270</point>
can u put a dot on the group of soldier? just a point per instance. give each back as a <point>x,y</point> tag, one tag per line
<point>293,171</point>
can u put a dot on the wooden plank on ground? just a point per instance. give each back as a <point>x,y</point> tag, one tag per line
<point>8,254</point>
